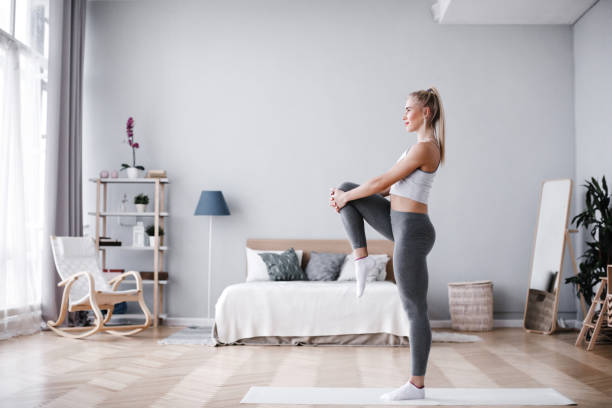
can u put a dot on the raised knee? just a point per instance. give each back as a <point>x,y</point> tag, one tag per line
<point>347,185</point>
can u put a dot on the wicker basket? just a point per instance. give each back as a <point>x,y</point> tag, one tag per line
<point>471,305</point>
<point>540,308</point>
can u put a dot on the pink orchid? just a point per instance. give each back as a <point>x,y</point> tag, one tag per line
<point>134,146</point>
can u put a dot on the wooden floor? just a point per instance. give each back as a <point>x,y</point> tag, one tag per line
<point>50,371</point>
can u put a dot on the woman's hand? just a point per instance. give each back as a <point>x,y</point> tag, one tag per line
<point>337,199</point>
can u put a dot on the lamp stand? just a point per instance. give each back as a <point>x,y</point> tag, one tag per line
<point>209,260</point>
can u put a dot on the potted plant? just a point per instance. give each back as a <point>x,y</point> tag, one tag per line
<point>141,201</point>
<point>151,233</point>
<point>132,171</point>
<point>598,217</point>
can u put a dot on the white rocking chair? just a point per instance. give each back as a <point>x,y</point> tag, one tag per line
<point>85,288</point>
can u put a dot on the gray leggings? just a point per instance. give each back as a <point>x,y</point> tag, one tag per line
<point>414,236</point>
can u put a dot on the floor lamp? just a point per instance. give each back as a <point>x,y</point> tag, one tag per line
<point>211,203</point>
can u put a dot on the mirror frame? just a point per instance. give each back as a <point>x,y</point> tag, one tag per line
<point>560,274</point>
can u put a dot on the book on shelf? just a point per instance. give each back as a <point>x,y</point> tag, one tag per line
<point>148,275</point>
<point>113,270</point>
<point>106,241</point>
<point>156,174</point>
<point>145,275</point>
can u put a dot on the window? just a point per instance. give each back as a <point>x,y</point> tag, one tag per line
<point>32,24</point>
<point>24,48</point>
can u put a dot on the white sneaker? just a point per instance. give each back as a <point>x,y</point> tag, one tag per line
<point>407,391</point>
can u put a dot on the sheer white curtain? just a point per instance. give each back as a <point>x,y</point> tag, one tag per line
<point>22,152</point>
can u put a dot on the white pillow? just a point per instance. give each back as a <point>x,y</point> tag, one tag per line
<point>256,267</point>
<point>377,273</point>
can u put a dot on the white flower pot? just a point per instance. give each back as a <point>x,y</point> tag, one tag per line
<point>132,172</point>
<point>141,208</point>
<point>151,241</point>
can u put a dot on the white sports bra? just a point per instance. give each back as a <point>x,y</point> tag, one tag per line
<point>416,185</point>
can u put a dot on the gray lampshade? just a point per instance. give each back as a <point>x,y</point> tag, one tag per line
<point>212,203</point>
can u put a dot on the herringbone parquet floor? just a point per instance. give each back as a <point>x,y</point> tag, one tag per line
<point>106,371</point>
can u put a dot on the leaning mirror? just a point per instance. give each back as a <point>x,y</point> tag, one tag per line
<point>547,257</point>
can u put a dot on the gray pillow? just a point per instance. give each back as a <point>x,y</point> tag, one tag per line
<point>284,266</point>
<point>324,266</point>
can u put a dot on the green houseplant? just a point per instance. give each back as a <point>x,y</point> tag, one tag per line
<point>141,201</point>
<point>597,219</point>
<point>151,233</point>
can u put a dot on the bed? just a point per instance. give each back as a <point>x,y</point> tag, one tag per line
<point>312,312</point>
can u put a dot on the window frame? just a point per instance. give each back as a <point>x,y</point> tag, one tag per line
<point>43,62</point>
<point>13,18</point>
<point>10,36</point>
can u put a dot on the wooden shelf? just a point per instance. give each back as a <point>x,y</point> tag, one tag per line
<point>118,316</point>
<point>132,248</point>
<point>112,275</point>
<point>158,216</point>
<point>145,281</point>
<point>128,214</point>
<point>129,180</point>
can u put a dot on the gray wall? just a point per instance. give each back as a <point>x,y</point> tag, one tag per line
<point>593,106</point>
<point>274,102</point>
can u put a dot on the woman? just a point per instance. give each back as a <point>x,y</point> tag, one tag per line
<point>405,221</point>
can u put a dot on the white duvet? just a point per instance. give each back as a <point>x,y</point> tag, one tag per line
<point>308,308</point>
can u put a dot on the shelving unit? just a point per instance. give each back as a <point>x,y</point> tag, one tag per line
<point>129,214</point>
<point>159,215</point>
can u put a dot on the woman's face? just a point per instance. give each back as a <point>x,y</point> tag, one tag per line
<point>413,116</point>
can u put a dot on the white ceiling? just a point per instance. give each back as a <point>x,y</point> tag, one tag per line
<point>510,11</point>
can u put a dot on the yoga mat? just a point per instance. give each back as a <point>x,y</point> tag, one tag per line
<point>433,396</point>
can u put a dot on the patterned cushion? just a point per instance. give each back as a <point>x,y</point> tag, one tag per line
<point>324,266</point>
<point>284,266</point>
<point>256,267</point>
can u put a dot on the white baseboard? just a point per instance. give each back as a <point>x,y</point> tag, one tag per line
<point>496,323</point>
<point>188,321</point>
<point>205,322</point>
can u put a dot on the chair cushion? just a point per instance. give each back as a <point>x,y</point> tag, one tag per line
<point>76,254</point>
<point>77,247</point>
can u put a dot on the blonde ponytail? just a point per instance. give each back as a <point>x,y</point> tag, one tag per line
<point>431,98</point>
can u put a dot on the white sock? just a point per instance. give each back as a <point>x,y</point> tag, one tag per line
<point>362,267</point>
<point>405,392</point>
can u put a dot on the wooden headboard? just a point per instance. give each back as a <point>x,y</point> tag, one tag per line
<point>377,246</point>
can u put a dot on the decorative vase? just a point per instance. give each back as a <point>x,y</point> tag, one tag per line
<point>151,241</point>
<point>141,208</point>
<point>132,172</point>
<point>138,235</point>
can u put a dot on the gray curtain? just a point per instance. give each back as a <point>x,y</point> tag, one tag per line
<point>64,146</point>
